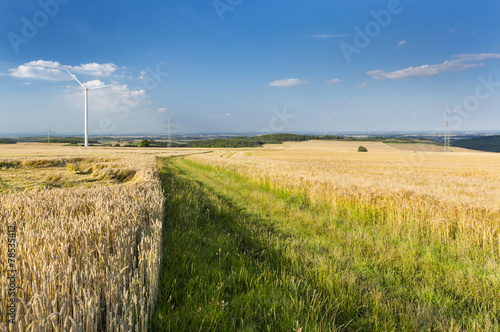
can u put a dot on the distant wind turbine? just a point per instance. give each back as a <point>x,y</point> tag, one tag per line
<point>87,105</point>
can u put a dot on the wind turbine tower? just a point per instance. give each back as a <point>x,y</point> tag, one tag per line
<point>87,105</point>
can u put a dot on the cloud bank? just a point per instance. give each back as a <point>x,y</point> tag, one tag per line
<point>288,83</point>
<point>54,71</point>
<point>117,95</point>
<point>335,80</point>
<point>461,62</point>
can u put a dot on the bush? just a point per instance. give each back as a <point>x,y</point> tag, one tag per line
<point>117,145</point>
<point>145,143</point>
<point>362,149</point>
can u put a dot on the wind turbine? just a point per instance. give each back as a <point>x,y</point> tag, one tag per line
<point>87,105</point>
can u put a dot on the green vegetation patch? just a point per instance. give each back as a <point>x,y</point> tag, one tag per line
<point>257,141</point>
<point>488,143</point>
<point>238,255</point>
<point>222,272</point>
<point>69,140</point>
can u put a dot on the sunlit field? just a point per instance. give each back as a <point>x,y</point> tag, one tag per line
<point>391,239</point>
<point>305,236</point>
<point>327,170</point>
<point>87,233</point>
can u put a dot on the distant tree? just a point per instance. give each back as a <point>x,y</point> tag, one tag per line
<point>117,145</point>
<point>145,143</point>
<point>362,149</point>
<point>488,143</point>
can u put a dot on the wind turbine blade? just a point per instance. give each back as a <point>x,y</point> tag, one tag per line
<point>99,87</point>
<point>76,79</point>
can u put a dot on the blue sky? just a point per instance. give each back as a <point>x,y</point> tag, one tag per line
<point>249,66</point>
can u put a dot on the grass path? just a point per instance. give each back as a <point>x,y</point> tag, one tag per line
<point>240,256</point>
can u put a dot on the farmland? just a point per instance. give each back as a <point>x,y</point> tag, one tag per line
<point>85,234</point>
<point>335,240</point>
<point>304,236</point>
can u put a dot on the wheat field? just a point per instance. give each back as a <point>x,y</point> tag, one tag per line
<point>453,196</point>
<point>395,239</point>
<point>88,242</point>
<point>89,222</point>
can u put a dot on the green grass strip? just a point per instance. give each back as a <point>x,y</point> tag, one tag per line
<point>240,256</point>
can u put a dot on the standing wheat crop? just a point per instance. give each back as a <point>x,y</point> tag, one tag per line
<point>87,259</point>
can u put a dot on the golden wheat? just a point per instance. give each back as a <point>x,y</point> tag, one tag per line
<point>87,258</point>
<point>450,197</point>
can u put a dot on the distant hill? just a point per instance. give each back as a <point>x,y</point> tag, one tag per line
<point>487,143</point>
<point>257,141</point>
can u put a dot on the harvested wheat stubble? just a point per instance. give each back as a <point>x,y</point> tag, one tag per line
<point>87,258</point>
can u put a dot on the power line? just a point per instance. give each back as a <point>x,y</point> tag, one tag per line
<point>170,128</point>
<point>447,147</point>
<point>49,132</point>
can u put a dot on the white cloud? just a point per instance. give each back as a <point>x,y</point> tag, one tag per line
<point>461,62</point>
<point>54,71</point>
<point>362,85</point>
<point>288,83</point>
<point>335,80</point>
<point>94,69</point>
<point>328,36</point>
<point>94,84</point>
<point>43,63</point>
<point>39,72</point>
<point>401,43</point>
<point>123,91</point>
<point>143,74</point>
<point>216,116</point>
<point>452,30</point>
<point>115,97</point>
<point>162,110</point>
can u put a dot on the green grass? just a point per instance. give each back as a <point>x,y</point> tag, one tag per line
<point>241,256</point>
